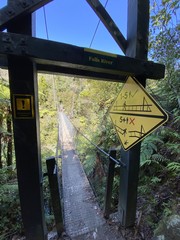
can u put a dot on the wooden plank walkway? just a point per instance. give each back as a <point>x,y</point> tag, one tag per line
<point>83,218</point>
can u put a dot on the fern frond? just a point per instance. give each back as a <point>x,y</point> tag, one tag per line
<point>89,164</point>
<point>159,158</point>
<point>174,166</point>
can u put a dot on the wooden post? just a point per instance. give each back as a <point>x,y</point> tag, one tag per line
<point>24,99</point>
<point>55,193</point>
<point>109,184</point>
<point>137,38</point>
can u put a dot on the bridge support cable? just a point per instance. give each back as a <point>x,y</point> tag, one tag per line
<point>59,143</point>
<point>97,27</point>
<point>118,162</point>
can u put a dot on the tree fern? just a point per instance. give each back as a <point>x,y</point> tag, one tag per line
<point>149,148</point>
<point>174,167</point>
<point>89,164</point>
<point>159,158</point>
<point>173,147</point>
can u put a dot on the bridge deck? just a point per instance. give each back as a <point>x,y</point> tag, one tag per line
<point>82,215</point>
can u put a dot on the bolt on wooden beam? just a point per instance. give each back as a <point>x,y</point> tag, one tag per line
<point>16,9</point>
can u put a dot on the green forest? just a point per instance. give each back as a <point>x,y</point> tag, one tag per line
<point>87,102</point>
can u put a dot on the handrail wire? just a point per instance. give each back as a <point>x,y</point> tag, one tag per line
<point>118,162</point>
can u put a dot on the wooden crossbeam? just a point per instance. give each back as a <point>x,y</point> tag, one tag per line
<point>109,23</point>
<point>55,54</point>
<point>15,9</point>
<point>67,71</point>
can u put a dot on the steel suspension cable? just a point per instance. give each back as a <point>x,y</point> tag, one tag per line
<point>45,20</point>
<point>54,83</point>
<point>118,162</point>
<point>97,27</point>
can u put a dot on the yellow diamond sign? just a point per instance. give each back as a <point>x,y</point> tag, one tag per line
<point>135,114</point>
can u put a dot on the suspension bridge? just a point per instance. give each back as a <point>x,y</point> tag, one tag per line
<point>83,218</point>
<point>24,55</point>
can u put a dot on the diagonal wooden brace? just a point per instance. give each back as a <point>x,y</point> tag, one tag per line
<point>109,23</point>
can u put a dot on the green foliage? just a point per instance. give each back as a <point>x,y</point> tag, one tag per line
<point>4,92</point>
<point>87,103</point>
<point>7,174</point>
<point>164,48</point>
<point>99,188</point>
<point>155,180</point>
<point>49,135</point>
<point>5,124</point>
<point>49,221</point>
<point>89,164</point>
<point>160,151</point>
<point>171,138</point>
<point>49,216</point>
<point>115,191</point>
<point>149,150</point>
<point>174,167</point>
<point>48,116</point>
<point>10,214</point>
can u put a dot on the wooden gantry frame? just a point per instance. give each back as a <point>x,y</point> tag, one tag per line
<point>24,55</point>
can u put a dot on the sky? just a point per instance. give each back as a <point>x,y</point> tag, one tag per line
<point>74,22</point>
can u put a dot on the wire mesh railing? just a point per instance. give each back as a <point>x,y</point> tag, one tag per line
<point>107,161</point>
<point>74,130</point>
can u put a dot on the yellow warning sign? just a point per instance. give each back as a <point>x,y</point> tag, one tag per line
<point>135,114</point>
<point>23,106</point>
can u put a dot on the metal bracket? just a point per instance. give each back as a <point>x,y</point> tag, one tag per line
<point>18,8</point>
